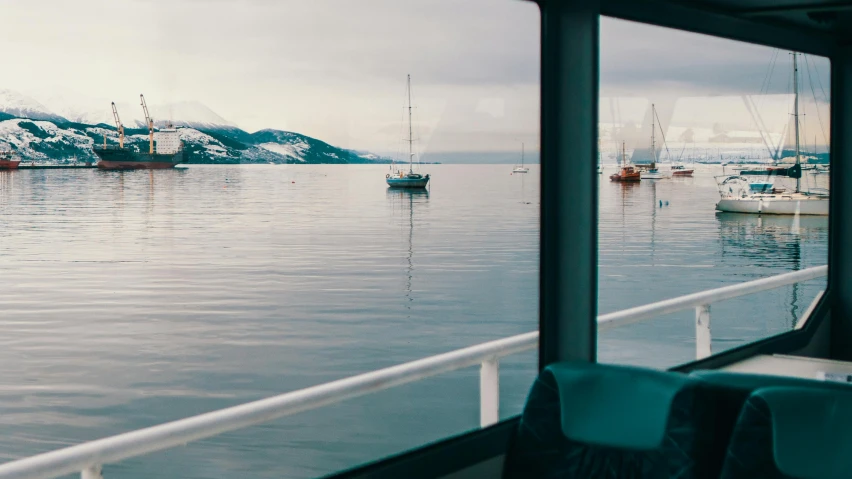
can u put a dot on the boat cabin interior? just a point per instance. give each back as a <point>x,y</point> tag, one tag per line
<point>777,407</point>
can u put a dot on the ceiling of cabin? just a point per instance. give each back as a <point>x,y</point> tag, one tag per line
<point>828,16</point>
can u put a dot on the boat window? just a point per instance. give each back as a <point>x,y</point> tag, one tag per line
<point>729,186</point>
<point>307,190</point>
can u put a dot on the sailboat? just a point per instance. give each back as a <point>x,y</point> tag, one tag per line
<point>600,164</point>
<point>399,178</point>
<point>738,195</point>
<point>653,173</point>
<point>627,172</point>
<point>521,169</point>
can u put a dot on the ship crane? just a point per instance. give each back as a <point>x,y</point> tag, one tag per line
<point>150,123</point>
<point>118,126</point>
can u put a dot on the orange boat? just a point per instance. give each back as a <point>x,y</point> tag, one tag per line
<point>7,161</point>
<point>626,172</point>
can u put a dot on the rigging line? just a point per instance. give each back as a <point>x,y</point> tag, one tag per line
<point>764,87</point>
<point>816,103</point>
<point>767,79</point>
<point>779,149</point>
<point>819,81</point>
<point>665,143</point>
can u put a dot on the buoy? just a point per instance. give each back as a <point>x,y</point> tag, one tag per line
<point>292,182</point>
<point>661,203</point>
<point>667,202</point>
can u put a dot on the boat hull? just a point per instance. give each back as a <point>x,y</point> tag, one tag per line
<point>682,172</point>
<point>9,164</point>
<point>625,179</point>
<point>520,170</point>
<point>121,159</point>
<point>408,182</point>
<point>775,206</point>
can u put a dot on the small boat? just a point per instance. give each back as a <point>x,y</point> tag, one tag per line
<point>652,174</point>
<point>627,173</point>
<point>600,165</point>
<point>521,168</point>
<point>738,195</point>
<point>679,170</point>
<point>401,179</point>
<point>407,180</point>
<point>8,161</point>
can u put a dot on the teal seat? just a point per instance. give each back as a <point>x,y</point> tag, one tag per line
<point>792,432</point>
<point>585,420</point>
<point>731,390</point>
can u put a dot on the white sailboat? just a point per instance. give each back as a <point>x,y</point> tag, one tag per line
<point>653,173</point>
<point>399,178</point>
<point>737,195</point>
<point>521,168</point>
<point>600,164</point>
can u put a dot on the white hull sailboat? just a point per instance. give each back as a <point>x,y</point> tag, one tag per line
<point>653,173</point>
<point>399,178</point>
<point>744,199</point>
<point>782,204</point>
<point>521,168</point>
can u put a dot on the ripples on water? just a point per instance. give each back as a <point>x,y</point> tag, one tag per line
<point>128,299</point>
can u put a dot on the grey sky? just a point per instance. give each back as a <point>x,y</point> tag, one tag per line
<point>335,69</point>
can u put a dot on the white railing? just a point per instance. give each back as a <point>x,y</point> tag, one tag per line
<point>89,457</point>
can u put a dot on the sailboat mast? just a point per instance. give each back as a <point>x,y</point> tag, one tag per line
<point>796,111</point>
<point>522,154</point>
<point>410,136</point>
<point>653,142</point>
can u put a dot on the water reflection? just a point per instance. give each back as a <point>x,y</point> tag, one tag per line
<point>404,201</point>
<point>770,241</point>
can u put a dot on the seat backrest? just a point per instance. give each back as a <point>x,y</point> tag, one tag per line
<point>731,390</point>
<point>792,432</point>
<point>587,420</point>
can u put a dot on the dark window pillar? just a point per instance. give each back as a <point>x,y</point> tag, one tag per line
<point>569,180</point>
<point>840,221</point>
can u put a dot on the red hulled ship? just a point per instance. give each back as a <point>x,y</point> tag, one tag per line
<point>8,161</point>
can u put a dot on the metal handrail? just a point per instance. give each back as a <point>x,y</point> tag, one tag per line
<point>88,457</point>
<point>694,300</point>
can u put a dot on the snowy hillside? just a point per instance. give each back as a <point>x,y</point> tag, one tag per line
<point>22,106</point>
<point>40,141</point>
<point>207,137</point>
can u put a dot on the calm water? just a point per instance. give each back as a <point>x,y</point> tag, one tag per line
<point>129,299</point>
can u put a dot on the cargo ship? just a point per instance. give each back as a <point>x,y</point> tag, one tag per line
<point>165,148</point>
<point>8,161</point>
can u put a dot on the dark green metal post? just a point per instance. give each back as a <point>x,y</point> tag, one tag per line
<point>569,181</point>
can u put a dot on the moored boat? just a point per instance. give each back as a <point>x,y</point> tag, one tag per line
<point>401,179</point>
<point>8,161</point>
<point>165,148</point>
<point>627,173</point>
<point>652,174</point>
<point>680,170</point>
<point>738,195</point>
<point>521,168</point>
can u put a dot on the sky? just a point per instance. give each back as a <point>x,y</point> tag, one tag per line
<point>336,69</point>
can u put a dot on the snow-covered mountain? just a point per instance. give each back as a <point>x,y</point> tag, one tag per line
<point>34,140</point>
<point>188,113</point>
<point>65,126</point>
<point>22,106</point>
